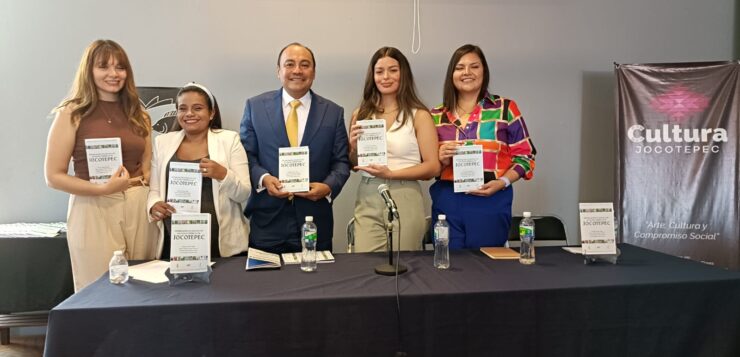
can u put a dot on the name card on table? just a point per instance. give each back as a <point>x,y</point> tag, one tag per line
<point>294,170</point>
<point>103,158</point>
<point>467,168</point>
<point>184,187</point>
<point>190,243</point>
<point>371,145</point>
<point>597,228</point>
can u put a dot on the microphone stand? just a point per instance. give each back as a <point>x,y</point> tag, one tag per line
<point>390,269</point>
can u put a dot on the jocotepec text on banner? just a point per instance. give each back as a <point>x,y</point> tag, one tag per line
<point>677,164</point>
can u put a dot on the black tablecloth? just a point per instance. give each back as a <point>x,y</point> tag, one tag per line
<point>35,274</point>
<point>650,304</point>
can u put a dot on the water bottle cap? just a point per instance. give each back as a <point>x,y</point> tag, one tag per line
<point>442,216</point>
<point>118,252</point>
<point>309,218</point>
<point>527,214</point>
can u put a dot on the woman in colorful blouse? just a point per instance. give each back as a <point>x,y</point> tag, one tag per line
<point>470,115</point>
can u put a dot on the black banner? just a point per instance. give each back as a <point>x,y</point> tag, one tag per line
<point>160,104</point>
<point>677,170</point>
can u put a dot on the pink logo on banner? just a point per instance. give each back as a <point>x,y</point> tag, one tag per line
<point>679,103</point>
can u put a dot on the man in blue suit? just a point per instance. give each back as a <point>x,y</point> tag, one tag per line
<point>293,116</point>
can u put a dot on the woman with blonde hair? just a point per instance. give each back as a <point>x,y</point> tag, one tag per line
<point>411,139</point>
<point>102,218</point>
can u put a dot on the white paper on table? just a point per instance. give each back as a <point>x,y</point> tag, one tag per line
<point>151,272</point>
<point>190,243</point>
<point>467,168</point>
<point>597,228</point>
<point>293,170</point>
<point>184,187</point>
<point>371,145</point>
<point>103,158</point>
<point>574,250</point>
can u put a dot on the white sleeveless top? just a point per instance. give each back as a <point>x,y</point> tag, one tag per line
<point>402,146</point>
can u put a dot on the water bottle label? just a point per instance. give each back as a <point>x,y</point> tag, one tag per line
<point>310,236</point>
<point>526,232</point>
<point>441,234</point>
<point>119,270</point>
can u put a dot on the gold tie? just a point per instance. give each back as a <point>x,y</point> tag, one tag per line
<point>291,126</point>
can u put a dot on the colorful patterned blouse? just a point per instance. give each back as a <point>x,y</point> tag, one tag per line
<point>499,127</point>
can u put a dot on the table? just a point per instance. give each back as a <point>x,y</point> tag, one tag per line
<point>650,304</point>
<point>35,275</point>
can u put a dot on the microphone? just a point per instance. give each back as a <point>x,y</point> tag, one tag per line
<point>386,194</point>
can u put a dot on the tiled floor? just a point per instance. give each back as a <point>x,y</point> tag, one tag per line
<point>23,346</point>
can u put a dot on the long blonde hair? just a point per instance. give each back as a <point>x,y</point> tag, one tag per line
<point>83,96</point>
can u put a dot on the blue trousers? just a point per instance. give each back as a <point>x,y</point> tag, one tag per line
<point>474,221</point>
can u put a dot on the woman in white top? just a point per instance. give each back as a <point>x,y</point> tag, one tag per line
<point>411,138</point>
<point>223,165</point>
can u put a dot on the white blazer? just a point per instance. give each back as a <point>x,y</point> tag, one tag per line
<point>229,195</point>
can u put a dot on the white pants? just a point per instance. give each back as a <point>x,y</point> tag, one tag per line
<point>99,225</point>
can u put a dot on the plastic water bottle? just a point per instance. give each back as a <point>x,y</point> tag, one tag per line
<point>118,268</point>
<point>526,234</point>
<point>310,234</point>
<point>441,243</point>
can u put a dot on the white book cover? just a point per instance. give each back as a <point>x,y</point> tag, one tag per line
<point>322,256</point>
<point>294,173</point>
<point>190,248</point>
<point>184,187</point>
<point>259,259</point>
<point>371,145</point>
<point>104,157</point>
<point>467,168</point>
<point>597,228</point>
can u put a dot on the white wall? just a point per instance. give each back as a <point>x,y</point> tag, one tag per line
<point>555,57</point>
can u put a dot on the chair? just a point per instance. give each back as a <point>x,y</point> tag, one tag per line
<point>425,239</point>
<point>548,230</point>
<point>351,235</point>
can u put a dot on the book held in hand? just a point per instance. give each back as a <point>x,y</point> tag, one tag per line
<point>371,145</point>
<point>293,169</point>
<point>467,168</point>
<point>184,187</point>
<point>103,158</point>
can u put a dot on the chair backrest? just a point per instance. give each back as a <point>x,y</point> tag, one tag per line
<point>427,238</point>
<point>548,230</point>
<point>351,235</point>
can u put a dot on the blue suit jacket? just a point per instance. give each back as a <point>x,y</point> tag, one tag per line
<point>263,132</point>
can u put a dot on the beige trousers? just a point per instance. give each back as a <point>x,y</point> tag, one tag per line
<point>99,225</point>
<point>371,215</point>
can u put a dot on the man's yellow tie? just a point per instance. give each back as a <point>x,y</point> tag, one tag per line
<point>291,126</point>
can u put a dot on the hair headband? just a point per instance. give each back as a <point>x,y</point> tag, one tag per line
<point>203,88</point>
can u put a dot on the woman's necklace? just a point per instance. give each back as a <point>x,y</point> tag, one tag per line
<point>109,119</point>
<point>460,112</point>
<point>384,110</point>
